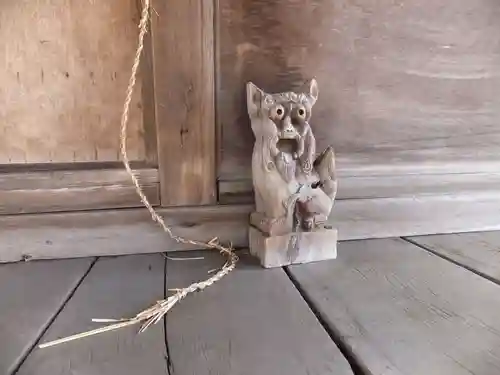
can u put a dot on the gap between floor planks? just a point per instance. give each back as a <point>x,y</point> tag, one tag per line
<point>33,300</point>
<point>478,252</point>
<point>207,332</point>
<point>253,321</point>
<point>436,244</point>
<point>402,310</point>
<point>116,287</point>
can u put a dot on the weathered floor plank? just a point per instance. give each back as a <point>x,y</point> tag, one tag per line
<point>30,296</point>
<point>479,252</point>
<point>402,310</point>
<point>115,288</point>
<point>251,322</point>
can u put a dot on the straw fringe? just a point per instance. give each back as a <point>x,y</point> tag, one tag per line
<point>155,313</point>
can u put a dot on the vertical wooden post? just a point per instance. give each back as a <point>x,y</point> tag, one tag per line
<point>183,59</point>
<point>148,97</point>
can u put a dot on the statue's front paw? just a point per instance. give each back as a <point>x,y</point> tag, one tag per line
<point>308,224</point>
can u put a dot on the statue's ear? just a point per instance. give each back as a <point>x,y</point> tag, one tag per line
<point>313,91</point>
<point>254,98</point>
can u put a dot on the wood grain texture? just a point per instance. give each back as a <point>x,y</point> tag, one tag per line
<point>114,232</point>
<point>183,50</point>
<point>419,215</point>
<point>64,70</point>
<point>402,310</point>
<point>126,231</point>
<point>59,179</point>
<point>31,295</point>
<point>51,191</point>
<point>479,252</point>
<point>115,288</point>
<point>148,97</point>
<point>252,322</point>
<point>397,80</point>
<point>470,211</point>
<point>396,163</point>
<point>75,199</point>
<point>363,187</point>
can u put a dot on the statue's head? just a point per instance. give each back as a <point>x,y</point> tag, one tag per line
<point>281,114</point>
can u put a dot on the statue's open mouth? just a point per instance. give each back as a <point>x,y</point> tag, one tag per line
<point>288,145</point>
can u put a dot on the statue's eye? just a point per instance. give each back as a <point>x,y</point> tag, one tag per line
<point>278,112</point>
<point>301,112</point>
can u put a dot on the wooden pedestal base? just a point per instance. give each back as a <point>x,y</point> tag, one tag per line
<point>293,248</point>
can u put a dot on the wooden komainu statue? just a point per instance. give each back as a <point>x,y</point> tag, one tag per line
<point>294,187</point>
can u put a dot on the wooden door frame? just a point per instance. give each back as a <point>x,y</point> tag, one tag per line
<point>183,50</point>
<point>177,73</point>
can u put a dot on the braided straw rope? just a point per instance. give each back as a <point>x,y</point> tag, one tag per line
<point>155,313</point>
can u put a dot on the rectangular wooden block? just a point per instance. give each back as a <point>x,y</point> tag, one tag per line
<point>293,248</point>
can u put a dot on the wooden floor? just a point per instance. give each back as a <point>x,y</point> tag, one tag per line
<point>406,306</point>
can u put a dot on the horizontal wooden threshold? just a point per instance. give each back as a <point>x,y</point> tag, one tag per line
<point>114,232</point>
<point>73,166</point>
<point>73,190</point>
<point>399,186</point>
<point>131,231</point>
<point>378,162</point>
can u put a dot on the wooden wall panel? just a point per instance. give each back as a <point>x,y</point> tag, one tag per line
<point>183,52</point>
<point>401,82</point>
<point>74,190</point>
<point>367,187</point>
<point>64,68</point>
